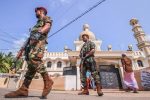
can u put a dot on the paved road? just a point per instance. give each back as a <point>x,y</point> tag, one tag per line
<point>72,95</point>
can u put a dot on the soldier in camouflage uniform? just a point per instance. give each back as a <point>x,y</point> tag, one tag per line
<point>88,62</point>
<point>34,52</point>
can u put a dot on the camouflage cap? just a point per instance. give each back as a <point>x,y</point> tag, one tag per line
<point>41,8</point>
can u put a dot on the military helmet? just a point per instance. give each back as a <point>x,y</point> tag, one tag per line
<point>41,8</point>
<point>85,35</point>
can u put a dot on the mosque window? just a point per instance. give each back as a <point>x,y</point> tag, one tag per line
<point>59,64</point>
<point>140,63</point>
<point>49,64</point>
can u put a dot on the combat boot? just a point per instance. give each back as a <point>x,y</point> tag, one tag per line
<point>48,82</point>
<point>21,92</point>
<point>99,91</point>
<point>84,92</point>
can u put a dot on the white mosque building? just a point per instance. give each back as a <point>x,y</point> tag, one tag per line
<point>108,62</point>
<point>56,61</point>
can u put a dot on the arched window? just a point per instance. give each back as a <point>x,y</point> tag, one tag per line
<point>49,64</point>
<point>59,64</point>
<point>140,63</point>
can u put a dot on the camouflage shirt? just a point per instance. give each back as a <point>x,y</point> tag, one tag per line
<point>87,47</point>
<point>40,23</point>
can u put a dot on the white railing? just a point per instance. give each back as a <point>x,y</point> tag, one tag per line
<point>138,54</point>
<point>55,54</point>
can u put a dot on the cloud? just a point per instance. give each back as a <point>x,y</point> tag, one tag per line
<point>65,1</point>
<point>54,4</point>
<point>64,22</point>
<point>20,42</point>
<point>17,44</point>
<point>82,7</point>
<point>147,37</point>
<point>58,3</point>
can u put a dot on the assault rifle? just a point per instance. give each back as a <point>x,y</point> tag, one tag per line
<point>82,56</point>
<point>25,49</point>
<point>19,55</point>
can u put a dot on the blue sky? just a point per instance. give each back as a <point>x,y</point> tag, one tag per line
<point>109,22</point>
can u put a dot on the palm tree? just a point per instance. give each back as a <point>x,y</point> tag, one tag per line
<point>3,64</point>
<point>7,61</point>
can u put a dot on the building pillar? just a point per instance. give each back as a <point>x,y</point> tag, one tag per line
<point>121,72</point>
<point>78,75</point>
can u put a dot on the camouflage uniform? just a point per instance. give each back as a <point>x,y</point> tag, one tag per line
<point>88,63</point>
<point>35,50</point>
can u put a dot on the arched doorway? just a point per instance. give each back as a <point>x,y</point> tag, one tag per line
<point>140,63</point>
<point>59,64</point>
<point>49,64</point>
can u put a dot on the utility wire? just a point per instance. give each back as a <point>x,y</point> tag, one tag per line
<point>9,49</point>
<point>4,40</point>
<point>8,34</point>
<point>67,10</point>
<point>87,11</point>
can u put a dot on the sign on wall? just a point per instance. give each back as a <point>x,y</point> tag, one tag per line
<point>145,79</point>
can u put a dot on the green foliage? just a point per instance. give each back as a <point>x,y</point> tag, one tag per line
<point>7,61</point>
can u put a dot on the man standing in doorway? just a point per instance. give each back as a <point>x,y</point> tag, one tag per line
<point>34,52</point>
<point>88,62</point>
<point>129,79</point>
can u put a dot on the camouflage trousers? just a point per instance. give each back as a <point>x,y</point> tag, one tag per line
<point>92,67</point>
<point>35,55</point>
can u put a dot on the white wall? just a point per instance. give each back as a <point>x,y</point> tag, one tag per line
<point>70,82</point>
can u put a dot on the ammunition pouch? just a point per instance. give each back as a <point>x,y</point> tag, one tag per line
<point>37,36</point>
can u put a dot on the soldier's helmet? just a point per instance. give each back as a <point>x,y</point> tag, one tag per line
<point>41,8</point>
<point>85,35</point>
